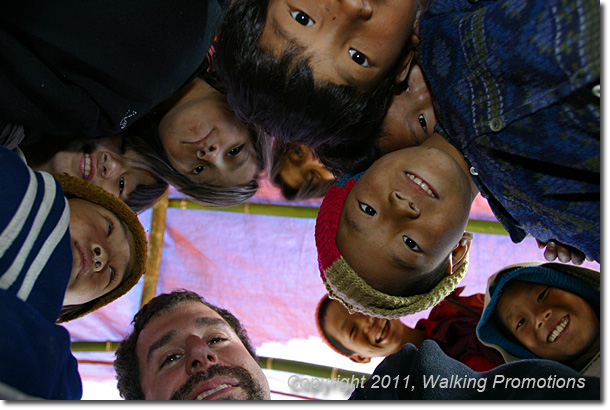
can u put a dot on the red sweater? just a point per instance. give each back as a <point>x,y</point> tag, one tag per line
<point>452,324</point>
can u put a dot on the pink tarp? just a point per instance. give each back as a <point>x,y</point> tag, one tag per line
<point>264,270</point>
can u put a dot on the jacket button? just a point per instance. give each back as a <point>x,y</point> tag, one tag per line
<point>496,124</point>
<point>596,91</point>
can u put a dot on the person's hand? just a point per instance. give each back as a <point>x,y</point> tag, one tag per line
<point>565,253</point>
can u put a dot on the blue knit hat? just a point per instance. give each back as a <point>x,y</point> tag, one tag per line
<point>488,332</point>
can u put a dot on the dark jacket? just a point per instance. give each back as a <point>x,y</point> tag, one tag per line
<point>91,68</point>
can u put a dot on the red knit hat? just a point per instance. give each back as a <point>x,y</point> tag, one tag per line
<point>345,285</point>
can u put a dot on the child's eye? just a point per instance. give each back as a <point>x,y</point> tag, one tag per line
<point>410,243</point>
<point>199,169</point>
<point>521,322</point>
<point>121,185</point>
<point>169,359</point>
<point>367,209</point>
<point>110,226</point>
<point>302,18</point>
<point>352,333</point>
<point>235,151</point>
<point>359,58</point>
<point>112,276</point>
<point>422,122</point>
<point>541,295</point>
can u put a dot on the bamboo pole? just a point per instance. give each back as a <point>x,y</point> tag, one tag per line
<point>155,249</point>
<point>291,366</point>
<point>474,225</point>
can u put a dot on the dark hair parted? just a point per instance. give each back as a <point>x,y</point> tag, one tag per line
<point>144,196</point>
<point>322,324</point>
<point>146,138</point>
<point>126,364</point>
<point>309,189</point>
<point>280,96</point>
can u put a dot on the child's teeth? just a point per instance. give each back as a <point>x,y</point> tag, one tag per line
<point>214,390</point>
<point>422,184</point>
<point>87,166</point>
<point>557,331</point>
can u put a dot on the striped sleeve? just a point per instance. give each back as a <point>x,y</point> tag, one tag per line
<point>35,254</point>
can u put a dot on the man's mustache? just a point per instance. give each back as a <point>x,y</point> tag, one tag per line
<point>241,375</point>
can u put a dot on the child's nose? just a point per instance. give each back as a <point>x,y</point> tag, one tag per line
<point>404,205</point>
<point>543,316</point>
<point>112,165</point>
<point>210,153</point>
<point>100,258</point>
<point>357,9</point>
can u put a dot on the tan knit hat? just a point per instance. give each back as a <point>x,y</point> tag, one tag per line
<point>345,285</point>
<point>74,187</point>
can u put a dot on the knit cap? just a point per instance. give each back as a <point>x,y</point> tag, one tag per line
<point>74,187</point>
<point>345,285</point>
<point>574,282</point>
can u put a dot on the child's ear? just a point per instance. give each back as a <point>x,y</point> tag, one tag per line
<point>359,359</point>
<point>458,254</point>
<point>407,60</point>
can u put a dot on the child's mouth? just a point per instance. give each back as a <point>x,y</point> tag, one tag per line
<point>558,331</point>
<point>382,331</point>
<point>422,184</point>
<point>87,167</point>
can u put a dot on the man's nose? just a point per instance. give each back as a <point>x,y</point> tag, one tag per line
<point>404,205</point>
<point>360,9</point>
<point>199,356</point>
<point>100,257</point>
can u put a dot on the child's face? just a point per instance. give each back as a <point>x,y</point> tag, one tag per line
<point>350,42</point>
<point>410,119</point>
<point>103,163</point>
<point>101,258</point>
<point>393,230</point>
<point>204,141</point>
<point>551,323</point>
<point>302,166</point>
<point>365,335</point>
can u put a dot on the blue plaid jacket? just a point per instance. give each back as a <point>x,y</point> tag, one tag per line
<point>515,89</point>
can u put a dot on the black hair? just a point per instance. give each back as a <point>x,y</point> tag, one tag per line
<point>309,189</point>
<point>280,97</point>
<point>143,196</point>
<point>126,364</point>
<point>423,284</point>
<point>427,282</point>
<point>321,316</point>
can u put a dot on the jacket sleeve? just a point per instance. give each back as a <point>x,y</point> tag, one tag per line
<point>429,374</point>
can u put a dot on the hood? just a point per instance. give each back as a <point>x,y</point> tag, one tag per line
<point>581,281</point>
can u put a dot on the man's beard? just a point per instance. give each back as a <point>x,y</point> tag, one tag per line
<point>253,389</point>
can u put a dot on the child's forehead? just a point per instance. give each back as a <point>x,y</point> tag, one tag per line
<point>327,27</point>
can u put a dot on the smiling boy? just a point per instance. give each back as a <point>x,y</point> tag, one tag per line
<point>394,232</point>
<point>548,311</point>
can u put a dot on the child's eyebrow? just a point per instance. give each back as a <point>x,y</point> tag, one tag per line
<point>279,30</point>
<point>355,225</point>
